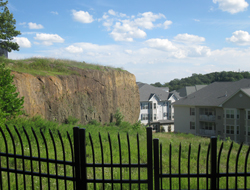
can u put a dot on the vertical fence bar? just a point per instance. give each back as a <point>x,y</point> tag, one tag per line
<point>83,169</point>
<point>93,159</point>
<point>149,157</point>
<point>100,139</point>
<point>213,164</point>
<point>156,164</point>
<point>139,160</point>
<point>77,157</point>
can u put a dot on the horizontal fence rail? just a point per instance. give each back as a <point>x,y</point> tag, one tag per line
<point>34,164</point>
<point>48,159</point>
<point>115,179</point>
<point>212,175</point>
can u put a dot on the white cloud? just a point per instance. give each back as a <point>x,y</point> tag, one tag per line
<point>74,49</point>
<point>132,27</point>
<point>22,42</point>
<point>196,20</point>
<point>126,32</point>
<point>22,23</point>
<point>232,6</point>
<point>189,38</point>
<point>161,44</point>
<point>112,12</point>
<point>167,23</point>
<point>240,38</point>
<point>54,12</point>
<point>49,39</point>
<point>147,19</point>
<point>82,16</point>
<point>35,26</point>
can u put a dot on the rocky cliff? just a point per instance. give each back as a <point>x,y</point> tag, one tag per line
<point>91,94</point>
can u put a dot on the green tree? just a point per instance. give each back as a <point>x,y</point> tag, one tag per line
<point>7,28</point>
<point>10,103</point>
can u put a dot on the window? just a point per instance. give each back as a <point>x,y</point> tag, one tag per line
<point>192,111</point>
<point>165,114</point>
<point>248,114</point>
<point>238,114</point>
<point>154,105</point>
<point>230,114</point>
<point>144,116</point>
<point>229,129</point>
<point>192,125</point>
<point>144,106</point>
<point>154,116</point>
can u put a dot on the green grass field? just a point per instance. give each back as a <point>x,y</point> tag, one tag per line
<point>125,128</point>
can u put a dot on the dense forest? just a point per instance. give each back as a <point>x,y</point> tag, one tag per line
<point>197,79</point>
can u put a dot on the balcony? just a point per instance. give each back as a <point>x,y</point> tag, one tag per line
<point>206,132</point>
<point>207,118</point>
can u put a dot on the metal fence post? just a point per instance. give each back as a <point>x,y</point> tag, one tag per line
<point>83,159</point>
<point>156,164</point>
<point>149,157</point>
<point>77,157</point>
<point>213,164</point>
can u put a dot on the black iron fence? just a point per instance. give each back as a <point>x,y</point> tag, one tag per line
<point>65,164</point>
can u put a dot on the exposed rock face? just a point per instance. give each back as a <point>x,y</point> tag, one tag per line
<point>91,95</point>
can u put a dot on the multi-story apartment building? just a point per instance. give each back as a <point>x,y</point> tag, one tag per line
<point>221,108</point>
<point>156,107</point>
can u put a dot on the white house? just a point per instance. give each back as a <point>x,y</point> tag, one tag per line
<point>156,107</point>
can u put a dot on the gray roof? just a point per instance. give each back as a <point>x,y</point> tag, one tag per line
<point>214,94</point>
<point>185,91</point>
<point>147,91</point>
<point>246,90</point>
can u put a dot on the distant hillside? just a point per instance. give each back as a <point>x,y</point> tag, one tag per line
<point>197,79</point>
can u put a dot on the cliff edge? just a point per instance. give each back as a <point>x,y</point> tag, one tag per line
<point>90,95</point>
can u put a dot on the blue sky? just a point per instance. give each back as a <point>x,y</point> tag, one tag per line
<point>156,40</point>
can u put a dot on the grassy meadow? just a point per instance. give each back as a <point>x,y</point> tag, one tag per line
<point>95,129</point>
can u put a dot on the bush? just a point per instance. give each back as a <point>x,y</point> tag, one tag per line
<point>71,120</point>
<point>94,122</point>
<point>119,117</point>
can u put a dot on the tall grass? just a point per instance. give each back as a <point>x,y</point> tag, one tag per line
<point>50,66</point>
<point>96,130</point>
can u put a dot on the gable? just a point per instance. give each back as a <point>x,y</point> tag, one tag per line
<point>154,98</point>
<point>239,100</point>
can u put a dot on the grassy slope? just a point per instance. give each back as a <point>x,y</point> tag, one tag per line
<point>95,129</point>
<point>45,66</point>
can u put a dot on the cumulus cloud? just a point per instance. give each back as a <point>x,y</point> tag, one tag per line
<point>82,16</point>
<point>161,44</point>
<point>22,42</point>
<point>240,37</point>
<point>49,39</point>
<point>146,20</point>
<point>188,38</point>
<point>126,32</point>
<point>133,26</point>
<point>54,12</point>
<point>74,49</point>
<point>35,26</point>
<point>167,23</point>
<point>112,12</point>
<point>232,6</point>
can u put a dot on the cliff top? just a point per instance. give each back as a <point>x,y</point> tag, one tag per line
<point>50,66</point>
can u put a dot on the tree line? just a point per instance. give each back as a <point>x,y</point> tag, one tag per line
<point>199,79</point>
